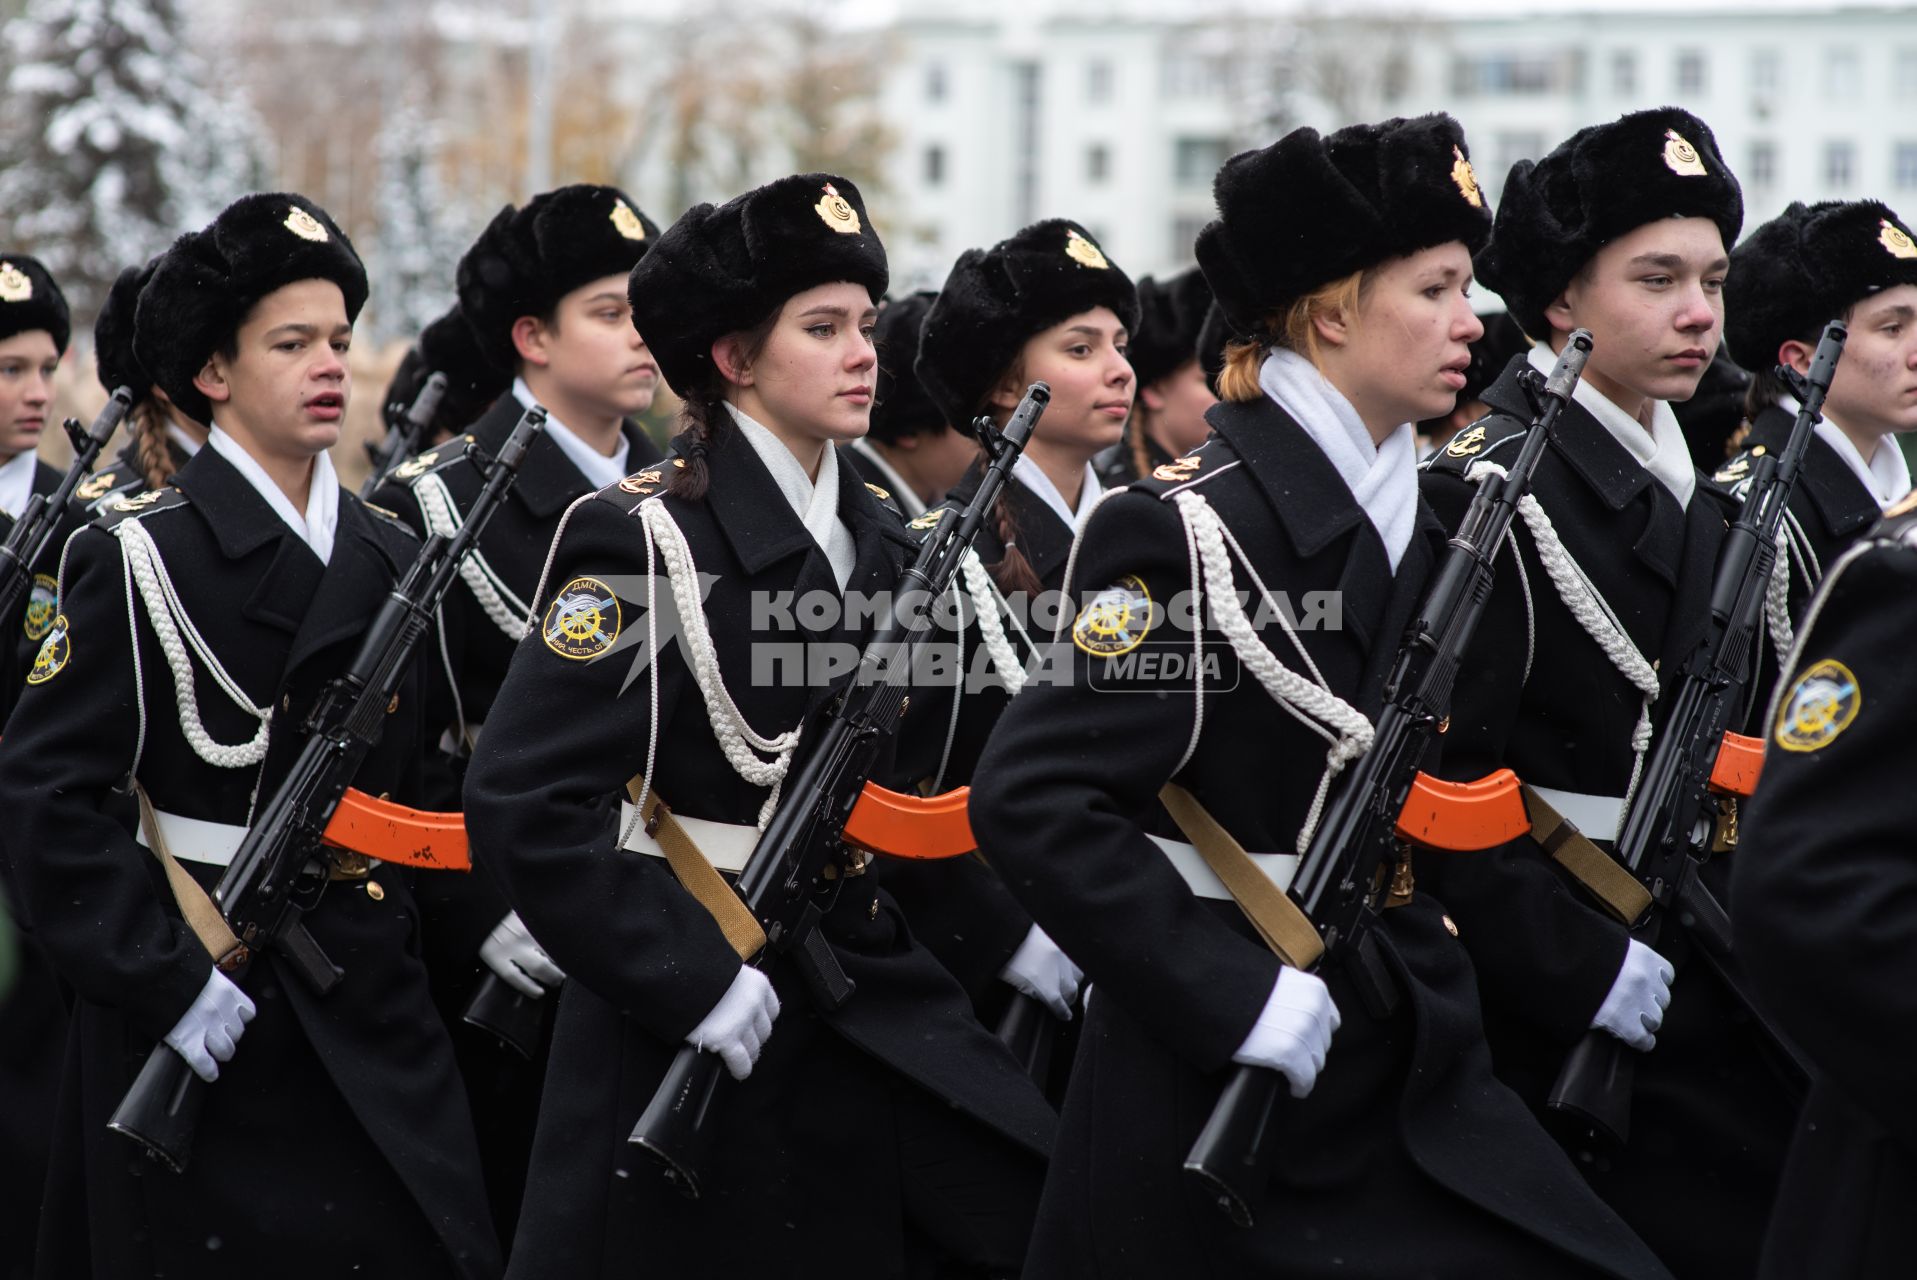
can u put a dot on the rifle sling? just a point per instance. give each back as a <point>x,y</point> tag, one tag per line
<point>208,925</point>
<point>1285,929</point>
<point>697,875</point>
<point>1614,888</point>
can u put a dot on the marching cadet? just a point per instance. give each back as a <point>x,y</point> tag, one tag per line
<point>1047,306</point>
<point>160,438</point>
<point>654,671</point>
<point>1622,230</point>
<point>1810,265</point>
<point>1823,876</point>
<point>196,625</point>
<point>543,291</point>
<point>34,328</point>
<point>910,452</point>
<point>1168,419</point>
<point>1346,259</point>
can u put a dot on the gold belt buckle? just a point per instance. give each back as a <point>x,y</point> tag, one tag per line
<point>856,861</point>
<point>343,864</point>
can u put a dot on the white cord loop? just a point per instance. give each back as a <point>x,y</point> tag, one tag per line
<point>508,612</point>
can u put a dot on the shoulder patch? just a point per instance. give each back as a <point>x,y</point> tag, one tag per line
<point>1821,704</point>
<point>1734,470</point>
<point>1116,620</point>
<point>40,605</point>
<point>135,505</point>
<point>378,510</point>
<point>436,458</point>
<point>583,620</point>
<point>54,652</point>
<point>643,482</point>
<point>1474,442</point>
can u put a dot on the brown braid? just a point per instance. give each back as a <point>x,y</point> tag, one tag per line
<point>703,417</point>
<point>1141,430</point>
<point>149,435</point>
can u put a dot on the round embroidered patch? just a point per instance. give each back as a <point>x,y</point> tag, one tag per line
<point>1116,620</point>
<point>54,652</point>
<point>40,604</point>
<point>583,619</point>
<point>1818,707</point>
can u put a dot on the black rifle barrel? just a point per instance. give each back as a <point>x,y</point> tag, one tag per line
<point>402,440</point>
<point>34,529</point>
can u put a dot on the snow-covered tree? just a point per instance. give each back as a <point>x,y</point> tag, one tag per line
<point>110,143</point>
<point>422,228</point>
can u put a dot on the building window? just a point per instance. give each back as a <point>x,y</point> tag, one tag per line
<point>1395,80</point>
<point>1507,148</point>
<point>1509,73</point>
<point>1843,75</point>
<point>1624,73</point>
<point>1185,229</point>
<point>934,165</point>
<point>1196,161</point>
<point>1906,74</point>
<point>1026,88</point>
<point>1690,71</point>
<point>1766,71</point>
<point>1098,81</point>
<point>1098,162</point>
<point>1840,165</point>
<point>935,82</point>
<point>1763,166</point>
<point>1904,166</point>
<point>1185,74</point>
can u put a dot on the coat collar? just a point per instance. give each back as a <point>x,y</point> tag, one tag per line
<point>1839,497</point>
<point>1045,540</point>
<point>548,482</point>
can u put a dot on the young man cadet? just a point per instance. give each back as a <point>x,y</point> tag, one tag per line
<point>197,626</point>
<point>1622,230</point>
<point>543,290</point>
<point>1810,265</point>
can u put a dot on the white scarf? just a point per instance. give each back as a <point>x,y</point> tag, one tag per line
<point>599,469</point>
<point>1383,478</point>
<point>815,503</point>
<point>902,493</point>
<point>1886,476</point>
<point>320,521</point>
<point>1662,450</point>
<point>1033,477</point>
<point>16,482</point>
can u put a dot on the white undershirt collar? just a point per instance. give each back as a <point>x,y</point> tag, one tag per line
<point>815,503</point>
<point>16,482</point>
<point>1662,450</point>
<point>599,469</point>
<point>1033,477</point>
<point>320,522</point>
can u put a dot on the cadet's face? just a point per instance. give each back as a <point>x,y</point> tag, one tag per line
<point>1875,387</point>
<point>1083,360</point>
<point>285,390</point>
<point>1178,402</point>
<point>595,355</point>
<point>27,363</point>
<point>1653,300</point>
<point>813,378</point>
<point>1405,358</point>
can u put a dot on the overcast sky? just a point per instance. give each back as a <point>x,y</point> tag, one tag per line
<point>875,12</point>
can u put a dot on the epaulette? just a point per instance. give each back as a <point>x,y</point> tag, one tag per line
<point>102,482</point>
<point>1167,479</point>
<point>389,516</point>
<point>139,505</point>
<point>437,458</point>
<point>1481,439</point>
<point>929,519</point>
<point>627,494</point>
<point>1734,477</point>
<point>1898,527</point>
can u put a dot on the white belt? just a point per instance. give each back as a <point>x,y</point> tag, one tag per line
<point>195,839</point>
<point>726,845</point>
<point>1598,817</point>
<point>1278,867</point>
<point>452,746</point>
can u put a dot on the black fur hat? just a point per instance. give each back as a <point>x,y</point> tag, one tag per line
<point>448,346</point>
<point>1213,335</point>
<point>996,298</point>
<point>1308,210</point>
<point>1171,315</point>
<point>900,406</point>
<point>1805,268</point>
<point>527,259</point>
<point>204,286</point>
<point>723,268</point>
<point>114,361</point>
<point>30,300</point>
<point>1600,183</point>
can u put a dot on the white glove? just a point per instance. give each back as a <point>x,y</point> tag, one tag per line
<point>510,952</point>
<point>1635,1008</point>
<point>738,1025</point>
<point>1293,1033</point>
<point>212,1026</point>
<point>1043,972</point>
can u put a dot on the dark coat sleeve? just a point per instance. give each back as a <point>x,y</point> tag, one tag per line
<point>1068,779</point>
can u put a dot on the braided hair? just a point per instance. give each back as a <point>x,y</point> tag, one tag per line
<point>1012,572</point>
<point>703,417</point>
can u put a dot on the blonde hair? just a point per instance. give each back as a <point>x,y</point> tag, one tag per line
<point>1294,329</point>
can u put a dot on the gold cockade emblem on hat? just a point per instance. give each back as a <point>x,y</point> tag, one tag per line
<point>1896,240</point>
<point>626,222</point>
<point>15,284</point>
<point>1681,156</point>
<point>306,226</point>
<point>1467,178</point>
<point>1084,252</point>
<point>837,212</point>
